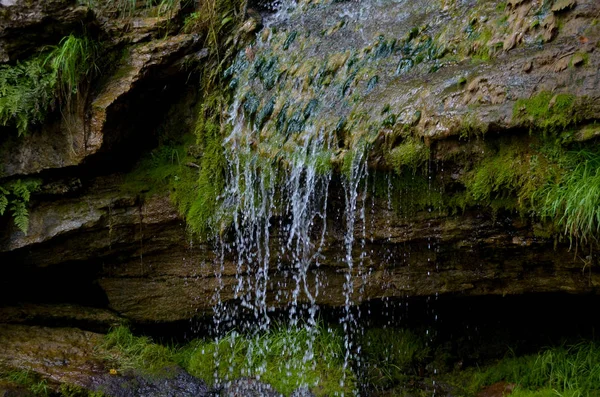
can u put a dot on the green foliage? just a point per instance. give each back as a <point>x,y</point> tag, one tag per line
<point>572,370</point>
<point>512,175</point>
<point>201,205</point>
<point>27,92</point>
<point>15,196</point>
<point>391,356</point>
<point>31,381</point>
<point>574,202</point>
<point>126,351</point>
<point>278,356</point>
<point>73,59</point>
<point>29,89</point>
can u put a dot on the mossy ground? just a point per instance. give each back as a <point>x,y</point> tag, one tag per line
<point>277,357</point>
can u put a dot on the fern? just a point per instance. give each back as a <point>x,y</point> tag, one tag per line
<point>20,215</point>
<point>26,93</point>
<point>17,194</point>
<point>30,89</point>
<point>3,200</point>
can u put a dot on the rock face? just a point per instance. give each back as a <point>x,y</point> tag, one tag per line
<point>91,242</point>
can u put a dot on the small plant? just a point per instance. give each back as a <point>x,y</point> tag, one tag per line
<point>72,60</point>
<point>15,196</point>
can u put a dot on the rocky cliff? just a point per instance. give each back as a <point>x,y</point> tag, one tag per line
<point>475,122</point>
<point>454,78</point>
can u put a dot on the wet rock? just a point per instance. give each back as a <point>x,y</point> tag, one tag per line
<point>563,5</point>
<point>60,315</point>
<point>60,355</point>
<point>8,389</point>
<point>26,26</point>
<point>247,387</point>
<point>74,357</point>
<point>302,392</point>
<point>175,382</point>
<point>91,241</point>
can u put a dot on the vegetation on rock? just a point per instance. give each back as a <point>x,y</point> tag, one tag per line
<point>278,357</point>
<point>30,89</point>
<point>15,196</point>
<point>564,371</point>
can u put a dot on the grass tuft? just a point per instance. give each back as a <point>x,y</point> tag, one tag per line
<point>574,202</point>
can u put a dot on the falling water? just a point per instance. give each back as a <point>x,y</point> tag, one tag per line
<point>253,200</point>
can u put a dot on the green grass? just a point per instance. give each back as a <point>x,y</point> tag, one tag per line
<point>32,382</point>
<point>277,357</point>
<point>574,202</point>
<point>392,356</point>
<point>559,371</point>
<point>72,60</point>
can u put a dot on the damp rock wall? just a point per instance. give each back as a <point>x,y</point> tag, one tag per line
<point>431,88</point>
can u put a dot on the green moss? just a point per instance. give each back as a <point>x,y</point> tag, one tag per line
<point>509,177</point>
<point>202,215</point>
<point>547,111</point>
<point>278,356</point>
<point>410,154</point>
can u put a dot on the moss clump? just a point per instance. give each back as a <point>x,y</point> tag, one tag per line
<point>513,173</point>
<point>549,112</point>
<point>278,356</point>
<point>411,154</point>
<point>201,204</point>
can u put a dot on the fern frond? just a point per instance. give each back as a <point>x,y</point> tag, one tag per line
<point>3,204</point>
<point>20,215</point>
